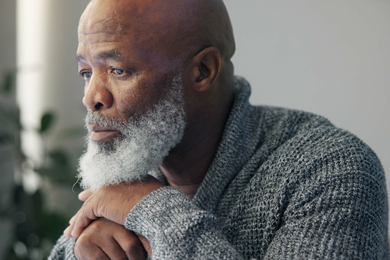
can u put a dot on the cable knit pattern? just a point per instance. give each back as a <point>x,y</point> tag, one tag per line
<point>284,184</point>
<point>63,249</point>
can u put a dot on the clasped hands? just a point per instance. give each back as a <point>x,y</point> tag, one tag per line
<point>99,224</point>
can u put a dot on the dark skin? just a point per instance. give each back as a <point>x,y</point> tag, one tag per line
<point>129,51</point>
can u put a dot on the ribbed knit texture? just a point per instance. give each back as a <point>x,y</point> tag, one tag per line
<point>284,184</point>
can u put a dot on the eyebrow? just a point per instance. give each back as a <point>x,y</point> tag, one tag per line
<point>111,55</point>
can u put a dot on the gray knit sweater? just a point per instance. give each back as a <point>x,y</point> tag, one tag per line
<point>284,184</point>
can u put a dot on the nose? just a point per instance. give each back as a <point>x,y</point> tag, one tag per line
<point>96,94</point>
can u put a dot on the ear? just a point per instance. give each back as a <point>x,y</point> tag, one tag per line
<point>205,69</point>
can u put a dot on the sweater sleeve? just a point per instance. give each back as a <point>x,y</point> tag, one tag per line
<point>337,209</point>
<point>177,229</point>
<point>63,250</point>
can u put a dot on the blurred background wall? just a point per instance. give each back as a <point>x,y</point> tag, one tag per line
<point>328,57</point>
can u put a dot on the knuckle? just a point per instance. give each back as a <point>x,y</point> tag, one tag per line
<point>133,249</point>
<point>90,253</point>
<point>84,211</point>
<point>96,227</point>
<point>83,241</point>
<point>84,249</point>
<point>100,257</point>
<point>121,257</point>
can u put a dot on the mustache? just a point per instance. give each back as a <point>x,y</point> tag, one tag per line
<point>95,118</point>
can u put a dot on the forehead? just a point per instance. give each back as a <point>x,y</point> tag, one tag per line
<point>104,15</point>
<point>101,18</point>
<point>140,17</point>
<point>141,25</point>
<point>105,29</point>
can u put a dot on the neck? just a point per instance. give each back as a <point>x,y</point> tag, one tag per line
<point>186,167</point>
<point>187,164</point>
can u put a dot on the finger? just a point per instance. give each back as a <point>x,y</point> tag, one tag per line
<point>84,195</point>
<point>113,250</point>
<point>89,251</point>
<point>68,232</point>
<point>71,221</point>
<point>69,229</point>
<point>131,245</point>
<point>82,221</point>
<point>100,234</point>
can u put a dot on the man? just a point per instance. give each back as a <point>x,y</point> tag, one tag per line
<point>231,181</point>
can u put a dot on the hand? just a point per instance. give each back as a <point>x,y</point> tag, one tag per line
<point>104,239</point>
<point>112,203</point>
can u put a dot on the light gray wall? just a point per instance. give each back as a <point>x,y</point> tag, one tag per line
<point>7,35</point>
<point>327,57</point>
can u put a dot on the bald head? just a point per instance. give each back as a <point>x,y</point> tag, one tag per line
<point>131,50</point>
<point>178,28</point>
<point>151,41</point>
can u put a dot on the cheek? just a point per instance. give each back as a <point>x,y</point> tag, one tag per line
<point>139,96</point>
<point>133,99</point>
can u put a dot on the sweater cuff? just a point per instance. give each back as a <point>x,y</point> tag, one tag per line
<point>64,249</point>
<point>166,213</point>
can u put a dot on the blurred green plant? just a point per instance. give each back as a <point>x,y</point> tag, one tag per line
<point>36,227</point>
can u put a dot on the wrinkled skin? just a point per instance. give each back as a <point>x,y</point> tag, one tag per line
<point>129,51</point>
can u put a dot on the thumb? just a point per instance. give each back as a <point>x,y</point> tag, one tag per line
<point>84,195</point>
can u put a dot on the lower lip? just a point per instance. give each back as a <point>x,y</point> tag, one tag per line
<point>103,135</point>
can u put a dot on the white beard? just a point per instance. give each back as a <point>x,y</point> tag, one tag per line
<point>142,146</point>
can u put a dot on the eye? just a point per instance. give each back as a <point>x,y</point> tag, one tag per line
<point>118,72</point>
<point>86,75</point>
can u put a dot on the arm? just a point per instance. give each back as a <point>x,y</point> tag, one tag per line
<point>174,226</point>
<point>333,206</point>
<point>177,229</point>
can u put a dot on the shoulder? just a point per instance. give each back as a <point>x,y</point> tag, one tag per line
<point>321,176</point>
<point>318,164</point>
<point>301,157</point>
<point>303,174</point>
<point>289,121</point>
<point>307,143</point>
